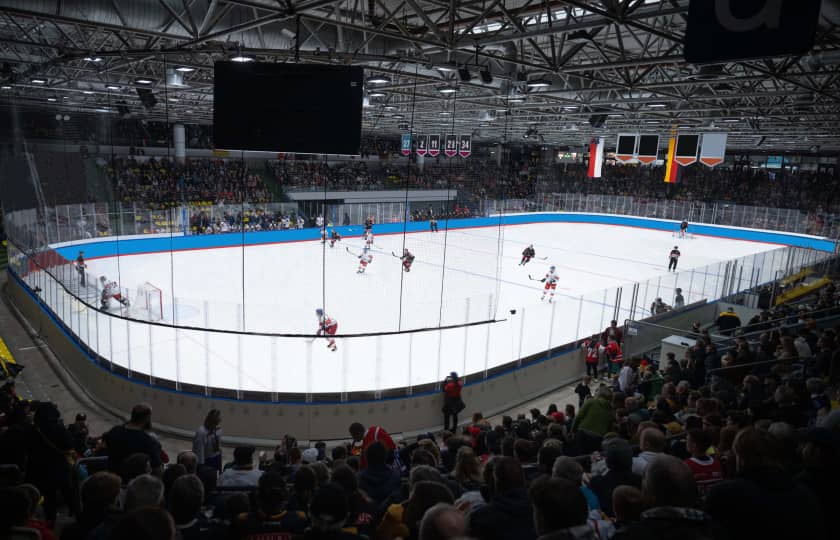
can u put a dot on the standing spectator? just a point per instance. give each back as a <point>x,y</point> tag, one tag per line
<point>728,321</point>
<point>131,438</point>
<point>79,432</point>
<point>592,356</point>
<point>593,420</point>
<point>614,355</point>
<point>362,438</point>
<point>243,473</point>
<point>507,515</point>
<point>582,389</point>
<point>612,331</point>
<point>207,440</point>
<point>452,402</point>
<point>679,299</point>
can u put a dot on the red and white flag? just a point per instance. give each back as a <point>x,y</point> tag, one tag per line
<point>596,157</point>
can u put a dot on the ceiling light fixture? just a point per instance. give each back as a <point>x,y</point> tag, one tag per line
<point>448,67</point>
<point>378,79</point>
<point>143,81</point>
<point>538,83</point>
<point>93,59</point>
<point>657,105</point>
<point>447,90</point>
<point>87,92</point>
<point>376,94</point>
<point>184,69</point>
<point>5,87</point>
<point>112,87</point>
<point>389,108</point>
<point>51,99</point>
<point>516,100</point>
<point>242,58</point>
<point>38,81</point>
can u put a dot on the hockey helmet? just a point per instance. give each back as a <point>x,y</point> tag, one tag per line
<point>552,268</point>
<point>102,279</point>
<point>676,247</point>
<point>319,312</point>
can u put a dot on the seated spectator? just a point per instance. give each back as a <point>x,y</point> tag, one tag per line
<point>560,511</point>
<point>328,513</point>
<point>652,443</point>
<point>271,515</point>
<point>706,469</point>
<point>145,491</point>
<point>99,497</point>
<point>143,524</point>
<point>750,505</point>
<point>424,495</point>
<point>378,480</point>
<point>674,509</point>
<point>567,468</point>
<point>507,514</point>
<point>619,460</point>
<point>189,460</point>
<point>186,497</point>
<point>443,522</point>
<point>243,473</point>
<point>628,505</point>
<point>467,470</point>
<point>362,509</point>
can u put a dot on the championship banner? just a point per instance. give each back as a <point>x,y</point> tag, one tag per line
<point>434,145</point>
<point>451,148</point>
<point>465,146</point>
<point>625,147</point>
<point>648,149</point>
<point>422,142</point>
<point>713,149</point>
<point>596,157</point>
<point>405,146</point>
<point>686,150</point>
<point>671,166</point>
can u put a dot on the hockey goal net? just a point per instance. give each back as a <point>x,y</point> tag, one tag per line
<point>149,302</point>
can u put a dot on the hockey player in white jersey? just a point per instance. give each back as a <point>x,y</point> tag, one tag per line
<point>327,327</point>
<point>364,260</point>
<point>111,289</point>
<point>550,280</point>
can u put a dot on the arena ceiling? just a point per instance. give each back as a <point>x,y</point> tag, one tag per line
<point>549,65</point>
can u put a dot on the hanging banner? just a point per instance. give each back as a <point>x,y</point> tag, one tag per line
<point>465,146</point>
<point>596,157</point>
<point>451,149</point>
<point>648,151</point>
<point>625,147</point>
<point>713,149</point>
<point>434,145</point>
<point>422,145</point>
<point>405,146</point>
<point>686,150</point>
<point>671,166</point>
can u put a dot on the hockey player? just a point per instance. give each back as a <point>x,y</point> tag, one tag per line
<point>407,260</point>
<point>550,281</point>
<point>334,237</point>
<point>364,260</point>
<point>323,235</point>
<point>111,289</point>
<point>683,228</point>
<point>527,255</point>
<point>369,224</point>
<point>368,240</point>
<point>433,226</point>
<point>327,327</point>
<point>81,267</point>
<point>673,257</point>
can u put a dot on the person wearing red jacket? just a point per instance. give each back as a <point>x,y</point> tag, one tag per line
<point>452,402</point>
<point>614,355</point>
<point>362,438</point>
<point>592,349</point>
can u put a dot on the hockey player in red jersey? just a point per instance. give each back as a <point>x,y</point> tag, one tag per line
<point>527,255</point>
<point>364,260</point>
<point>550,280</point>
<point>111,289</point>
<point>334,237</point>
<point>407,260</point>
<point>327,326</point>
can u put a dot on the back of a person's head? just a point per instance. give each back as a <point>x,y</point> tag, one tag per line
<point>423,457</point>
<point>145,491</point>
<point>523,450</point>
<point>170,474</point>
<point>328,508</point>
<point>668,481</point>
<point>652,440</point>
<point>322,472</point>
<point>144,524</point>
<point>133,466</point>
<point>305,480</point>
<point>547,455</point>
<point>141,414</point>
<point>756,449</point>
<point>443,522</point>
<point>423,496</point>
<point>15,505</point>
<point>425,473</point>
<point>271,491</point>
<point>507,475</point>
<point>99,491</point>
<point>558,504</point>
<point>345,477</point>
<point>376,454</point>
<point>568,469</point>
<point>186,498</point>
<point>189,460</point>
<point>628,503</point>
<point>618,454</point>
<point>701,439</point>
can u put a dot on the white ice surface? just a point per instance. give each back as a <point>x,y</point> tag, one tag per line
<point>284,283</point>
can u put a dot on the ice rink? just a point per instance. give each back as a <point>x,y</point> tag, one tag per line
<point>459,276</point>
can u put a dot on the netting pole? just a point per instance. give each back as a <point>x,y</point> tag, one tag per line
<point>551,328</point>
<point>206,348</point>
<point>151,355</point>
<point>309,370</point>
<point>127,347</point>
<point>275,384</point>
<point>344,363</point>
<point>487,340</point>
<point>378,374</point>
<point>466,338</point>
<point>239,326</point>
<point>409,388</point>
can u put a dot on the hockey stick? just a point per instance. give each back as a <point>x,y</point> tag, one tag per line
<point>395,255</point>
<point>542,258</point>
<point>351,253</point>
<point>532,279</point>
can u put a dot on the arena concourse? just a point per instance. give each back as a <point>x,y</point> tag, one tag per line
<point>422,270</point>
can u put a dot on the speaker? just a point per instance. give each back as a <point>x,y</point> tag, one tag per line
<point>123,109</point>
<point>486,76</point>
<point>465,74</point>
<point>597,120</point>
<point>147,98</point>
